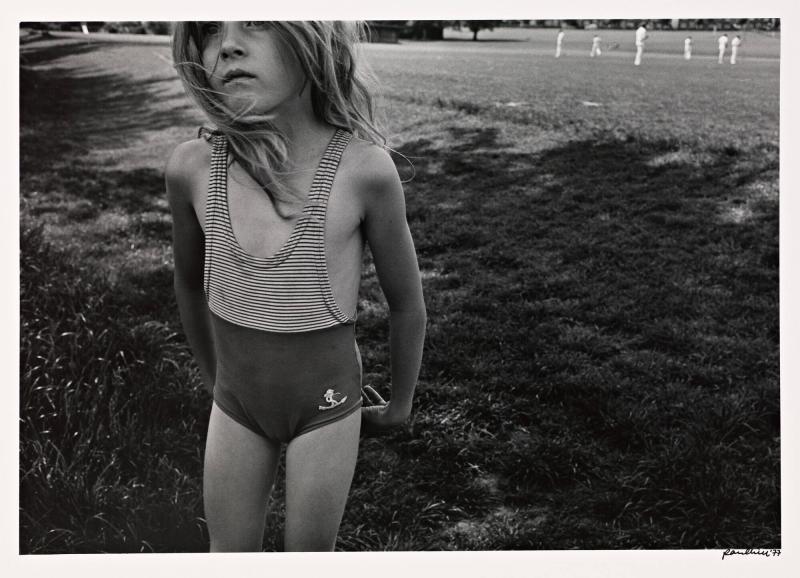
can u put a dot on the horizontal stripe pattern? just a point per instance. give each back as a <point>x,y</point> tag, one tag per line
<point>289,291</point>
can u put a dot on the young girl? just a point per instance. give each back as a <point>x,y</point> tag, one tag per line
<point>271,212</point>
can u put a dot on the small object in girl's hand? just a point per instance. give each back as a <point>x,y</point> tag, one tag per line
<point>371,398</point>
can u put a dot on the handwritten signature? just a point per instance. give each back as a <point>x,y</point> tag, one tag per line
<point>751,552</point>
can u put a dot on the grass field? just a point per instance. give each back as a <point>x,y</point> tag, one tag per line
<point>601,368</point>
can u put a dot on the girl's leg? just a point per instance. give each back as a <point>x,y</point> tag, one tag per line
<point>239,471</point>
<point>319,469</point>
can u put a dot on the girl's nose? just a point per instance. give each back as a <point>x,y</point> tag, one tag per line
<point>231,44</point>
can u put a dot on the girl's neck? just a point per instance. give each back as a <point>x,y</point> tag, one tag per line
<point>306,135</point>
<point>306,141</point>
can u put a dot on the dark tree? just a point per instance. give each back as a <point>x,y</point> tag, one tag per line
<point>477,25</point>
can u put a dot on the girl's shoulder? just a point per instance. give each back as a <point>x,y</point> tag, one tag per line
<point>187,167</point>
<point>369,169</point>
<point>187,157</point>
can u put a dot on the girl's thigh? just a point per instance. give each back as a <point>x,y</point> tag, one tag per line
<point>238,475</point>
<point>319,470</point>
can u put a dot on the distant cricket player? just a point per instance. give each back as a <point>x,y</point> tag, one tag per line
<point>641,36</point>
<point>559,42</point>
<point>687,48</point>
<point>723,44</point>
<point>737,40</point>
<point>595,46</point>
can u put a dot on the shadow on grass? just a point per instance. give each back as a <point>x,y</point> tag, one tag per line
<point>77,127</point>
<point>61,107</point>
<point>81,191</point>
<point>635,238</point>
<point>593,305</point>
<point>41,50</point>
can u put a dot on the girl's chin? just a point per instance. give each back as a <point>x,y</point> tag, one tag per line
<point>246,104</point>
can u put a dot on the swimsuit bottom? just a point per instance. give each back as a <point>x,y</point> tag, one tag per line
<point>282,385</point>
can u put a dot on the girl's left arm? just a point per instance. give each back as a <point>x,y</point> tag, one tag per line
<point>387,232</point>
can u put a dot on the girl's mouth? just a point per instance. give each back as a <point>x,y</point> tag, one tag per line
<point>236,74</point>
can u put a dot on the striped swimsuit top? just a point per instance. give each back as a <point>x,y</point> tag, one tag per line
<point>289,291</point>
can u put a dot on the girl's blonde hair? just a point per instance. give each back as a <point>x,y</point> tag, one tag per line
<point>327,53</point>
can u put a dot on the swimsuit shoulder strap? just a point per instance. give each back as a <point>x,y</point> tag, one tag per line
<point>218,171</point>
<point>326,171</point>
<point>215,202</point>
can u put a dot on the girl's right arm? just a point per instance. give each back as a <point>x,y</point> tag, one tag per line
<point>188,247</point>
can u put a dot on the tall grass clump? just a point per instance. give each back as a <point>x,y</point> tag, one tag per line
<point>110,428</point>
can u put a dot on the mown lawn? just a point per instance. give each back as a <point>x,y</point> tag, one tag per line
<point>599,251</point>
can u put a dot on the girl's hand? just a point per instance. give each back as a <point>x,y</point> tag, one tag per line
<point>379,415</point>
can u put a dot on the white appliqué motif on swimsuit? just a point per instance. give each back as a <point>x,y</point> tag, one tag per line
<point>329,397</point>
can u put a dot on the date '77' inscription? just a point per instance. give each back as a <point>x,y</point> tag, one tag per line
<point>751,552</point>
